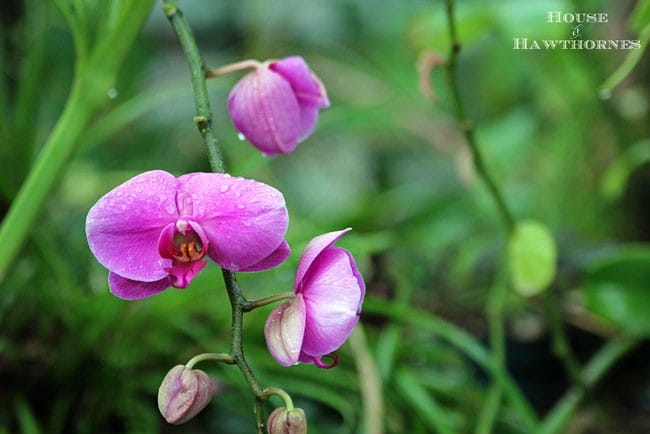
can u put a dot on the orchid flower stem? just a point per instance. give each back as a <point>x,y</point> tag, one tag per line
<point>254,304</point>
<point>233,67</point>
<point>216,357</point>
<point>269,391</point>
<point>467,126</point>
<point>203,121</point>
<point>237,302</point>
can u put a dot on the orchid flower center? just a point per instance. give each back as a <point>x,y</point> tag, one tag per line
<point>182,243</point>
<point>188,246</point>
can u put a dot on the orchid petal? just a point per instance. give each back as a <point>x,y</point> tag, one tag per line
<point>308,119</point>
<point>124,225</point>
<point>274,259</point>
<point>332,298</point>
<point>183,272</point>
<point>245,221</point>
<point>265,110</point>
<point>284,331</point>
<point>308,88</point>
<point>312,250</point>
<point>128,289</point>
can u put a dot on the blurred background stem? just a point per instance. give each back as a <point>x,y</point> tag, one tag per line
<point>96,71</point>
<point>597,367</point>
<point>467,126</point>
<point>499,290</point>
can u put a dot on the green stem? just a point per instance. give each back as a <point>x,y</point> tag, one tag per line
<point>46,171</point>
<point>496,321</point>
<point>94,76</point>
<point>462,340</point>
<point>254,304</point>
<point>597,367</point>
<point>498,293</point>
<point>237,302</point>
<point>203,119</point>
<point>216,357</point>
<point>560,341</point>
<point>233,67</point>
<point>467,126</point>
<point>269,391</point>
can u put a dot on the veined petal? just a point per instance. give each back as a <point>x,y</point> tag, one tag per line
<point>265,110</point>
<point>245,221</point>
<point>284,330</point>
<point>312,250</point>
<point>124,225</point>
<point>332,299</point>
<point>128,289</point>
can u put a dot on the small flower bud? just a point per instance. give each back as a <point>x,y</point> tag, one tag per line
<point>276,106</point>
<point>283,421</point>
<point>184,393</point>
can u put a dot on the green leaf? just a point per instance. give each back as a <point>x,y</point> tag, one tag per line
<point>618,289</point>
<point>640,17</point>
<point>531,256</point>
<point>616,176</point>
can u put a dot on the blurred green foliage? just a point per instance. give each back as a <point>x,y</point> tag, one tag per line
<point>384,160</point>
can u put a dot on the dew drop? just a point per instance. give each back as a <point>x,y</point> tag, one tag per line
<point>224,188</point>
<point>112,93</point>
<point>240,136</point>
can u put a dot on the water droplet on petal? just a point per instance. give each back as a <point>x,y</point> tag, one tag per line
<point>224,188</point>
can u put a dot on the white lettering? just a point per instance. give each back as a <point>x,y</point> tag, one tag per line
<point>520,43</point>
<point>554,17</point>
<point>579,17</point>
<point>550,44</point>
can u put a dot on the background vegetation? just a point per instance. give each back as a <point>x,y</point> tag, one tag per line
<point>384,160</point>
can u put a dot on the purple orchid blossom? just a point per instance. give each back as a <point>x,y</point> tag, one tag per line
<point>276,106</point>
<point>154,230</point>
<point>329,291</point>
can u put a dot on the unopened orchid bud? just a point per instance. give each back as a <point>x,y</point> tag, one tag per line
<point>283,421</point>
<point>184,393</point>
<point>276,106</point>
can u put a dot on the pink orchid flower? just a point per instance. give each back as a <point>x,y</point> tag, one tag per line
<point>154,230</point>
<point>276,106</point>
<point>329,291</point>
